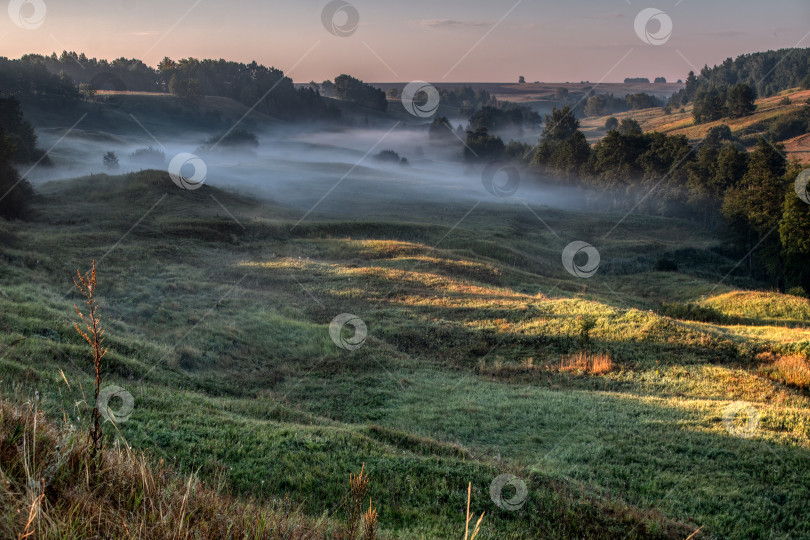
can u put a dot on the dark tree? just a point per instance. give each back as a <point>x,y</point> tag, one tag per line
<point>641,101</point>
<point>186,88</point>
<point>16,195</point>
<point>754,207</point>
<point>441,130</point>
<point>740,101</point>
<point>629,126</point>
<point>19,131</point>
<point>717,135</point>
<point>481,145</point>
<point>350,89</point>
<point>111,160</point>
<point>560,125</point>
<point>795,241</point>
<point>595,106</point>
<point>710,105</point>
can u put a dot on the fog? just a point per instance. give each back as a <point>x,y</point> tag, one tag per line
<point>335,172</point>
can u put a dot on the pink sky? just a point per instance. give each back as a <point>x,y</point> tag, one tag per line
<point>457,40</point>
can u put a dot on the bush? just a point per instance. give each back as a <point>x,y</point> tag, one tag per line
<point>787,127</point>
<point>110,160</point>
<point>665,265</point>
<point>694,312</point>
<point>389,156</point>
<point>798,291</point>
<point>150,157</point>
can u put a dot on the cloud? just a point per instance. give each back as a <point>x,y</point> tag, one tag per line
<point>452,23</point>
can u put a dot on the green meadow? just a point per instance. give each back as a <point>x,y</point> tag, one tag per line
<point>479,360</point>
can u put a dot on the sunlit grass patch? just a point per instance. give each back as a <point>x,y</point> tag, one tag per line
<point>762,306</point>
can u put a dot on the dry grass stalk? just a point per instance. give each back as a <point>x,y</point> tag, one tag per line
<point>358,489</point>
<point>94,335</point>
<point>370,523</point>
<point>477,528</point>
<point>582,362</point>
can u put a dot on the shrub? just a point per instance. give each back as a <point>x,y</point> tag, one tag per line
<point>389,156</point>
<point>694,312</point>
<point>665,265</point>
<point>798,291</point>
<point>787,127</point>
<point>149,157</point>
<point>586,324</point>
<point>111,160</point>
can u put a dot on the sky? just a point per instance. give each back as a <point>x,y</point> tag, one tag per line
<point>430,40</point>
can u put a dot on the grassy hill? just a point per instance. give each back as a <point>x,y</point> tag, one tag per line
<point>607,396</point>
<point>681,122</point>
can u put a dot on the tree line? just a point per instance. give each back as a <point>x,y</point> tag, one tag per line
<point>69,77</point>
<point>768,73</point>
<point>716,183</point>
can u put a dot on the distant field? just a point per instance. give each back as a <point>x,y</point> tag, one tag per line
<point>479,361</point>
<point>537,91</point>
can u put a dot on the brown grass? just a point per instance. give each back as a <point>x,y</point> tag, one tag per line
<point>582,362</point>
<point>48,489</point>
<point>791,370</point>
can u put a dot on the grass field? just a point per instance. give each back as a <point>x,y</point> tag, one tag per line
<point>471,369</point>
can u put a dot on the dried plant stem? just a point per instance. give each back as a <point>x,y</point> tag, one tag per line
<point>477,528</point>
<point>94,335</point>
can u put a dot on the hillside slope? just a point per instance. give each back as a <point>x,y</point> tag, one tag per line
<point>747,129</point>
<point>479,360</point>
